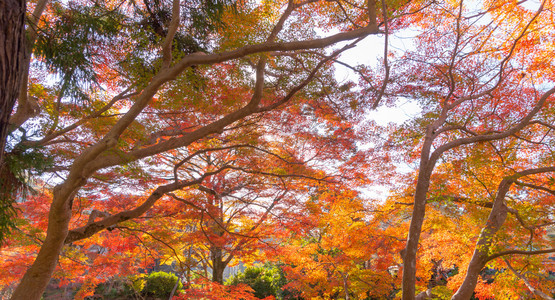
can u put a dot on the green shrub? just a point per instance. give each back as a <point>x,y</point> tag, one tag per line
<point>160,284</point>
<point>267,280</point>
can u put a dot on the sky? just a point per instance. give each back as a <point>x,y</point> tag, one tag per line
<point>370,52</point>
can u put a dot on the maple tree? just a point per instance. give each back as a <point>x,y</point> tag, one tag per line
<point>139,81</point>
<point>227,215</point>
<point>202,132</point>
<point>482,78</point>
<point>338,251</point>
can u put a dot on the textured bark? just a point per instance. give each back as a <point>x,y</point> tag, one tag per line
<point>497,217</point>
<point>218,264</point>
<point>214,225</point>
<point>92,227</point>
<point>36,278</point>
<point>27,107</point>
<point>427,164</point>
<point>12,55</point>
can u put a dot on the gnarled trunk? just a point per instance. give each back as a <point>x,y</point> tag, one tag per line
<point>12,55</point>
<point>496,218</point>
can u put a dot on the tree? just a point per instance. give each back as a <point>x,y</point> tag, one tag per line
<point>14,63</point>
<point>478,83</point>
<point>228,216</point>
<point>171,105</point>
<point>12,37</point>
<point>337,250</point>
<point>120,64</point>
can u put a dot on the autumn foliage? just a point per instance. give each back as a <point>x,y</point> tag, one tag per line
<point>202,136</point>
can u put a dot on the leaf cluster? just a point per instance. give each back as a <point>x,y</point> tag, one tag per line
<point>72,42</point>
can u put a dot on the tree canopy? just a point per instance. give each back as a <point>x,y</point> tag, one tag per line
<point>198,136</point>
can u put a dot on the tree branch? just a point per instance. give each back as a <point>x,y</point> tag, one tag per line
<point>521,252</point>
<point>92,228</point>
<point>385,60</point>
<point>167,45</point>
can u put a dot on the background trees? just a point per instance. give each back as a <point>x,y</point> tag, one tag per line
<point>338,251</point>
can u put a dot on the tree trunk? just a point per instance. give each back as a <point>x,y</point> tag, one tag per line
<point>36,278</point>
<point>12,55</point>
<point>218,264</point>
<point>27,107</point>
<point>418,213</point>
<point>496,218</point>
<point>345,285</point>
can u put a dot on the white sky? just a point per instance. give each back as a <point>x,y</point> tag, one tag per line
<point>370,52</point>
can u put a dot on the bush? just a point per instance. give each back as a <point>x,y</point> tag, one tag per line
<point>160,284</point>
<point>267,280</point>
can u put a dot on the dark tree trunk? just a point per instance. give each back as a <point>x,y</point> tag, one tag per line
<point>12,55</point>
<point>218,265</point>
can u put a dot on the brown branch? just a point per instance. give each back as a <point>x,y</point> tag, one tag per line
<point>308,79</point>
<point>536,187</point>
<point>93,227</point>
<point>509,55</point>
<point>322,179</point>
<point>450,75</point>
<point>385,60</point>
<point>181,264</point>
<point>196,153</point>
<point>457,199</point>
<point>95,214</point>
<point>543,124</point>
<point>372,15</point>
<point>521,252</point>
<point>242,243</point>
<point>521,35</point>
<point>202,58</point>
<point>110,139</point>
<point>522,222</point>
<point>291,6</point>
<point>359,72</point>
<point>495,136</point>
<point>496,219</point>
<point>167,45</point>
<point>98,113</point>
